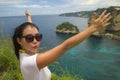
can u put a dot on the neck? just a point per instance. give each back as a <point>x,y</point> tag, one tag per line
<point>24,52</point>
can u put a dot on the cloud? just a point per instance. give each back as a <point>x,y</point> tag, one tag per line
<point>23,4</point>
<point>89,2</point>
<point>31,6</point>
<point>84,2</point>
<point>12,1</point>
<point>113,3</point>
<point>83,5</point>
<point>52,6</point>
<point>95,2</point>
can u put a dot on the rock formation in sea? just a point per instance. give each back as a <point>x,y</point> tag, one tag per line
<point>67,28</point>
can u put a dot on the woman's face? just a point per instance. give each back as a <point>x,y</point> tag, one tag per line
<point>29,47</point>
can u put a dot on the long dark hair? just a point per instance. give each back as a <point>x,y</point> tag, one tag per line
<point>18,33</point>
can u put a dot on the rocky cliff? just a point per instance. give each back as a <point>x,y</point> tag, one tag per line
<point>113,30</point>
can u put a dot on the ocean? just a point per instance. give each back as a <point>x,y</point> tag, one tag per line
<point>94,59</point>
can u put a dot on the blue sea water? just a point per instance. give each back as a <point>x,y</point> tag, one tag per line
<point>94,59</point>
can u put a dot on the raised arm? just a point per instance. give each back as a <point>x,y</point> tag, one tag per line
<point>50,56</point>
<point>28,16</point>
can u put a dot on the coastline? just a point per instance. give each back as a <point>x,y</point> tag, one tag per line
<point>107,35</point>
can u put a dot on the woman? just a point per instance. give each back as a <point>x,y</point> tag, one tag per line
<point>27,39</point>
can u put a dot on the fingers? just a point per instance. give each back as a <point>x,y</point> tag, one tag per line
<point>26,10</point>
<point>106,25</point>
<point>94,16</point>
<point>103,13</point>
<point>27,13</point>
<point>104,18</point>
<point>107,17</point>
<point>102,21</point>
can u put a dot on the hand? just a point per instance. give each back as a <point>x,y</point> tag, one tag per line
<point>27,13</point>
<point>101,22</point>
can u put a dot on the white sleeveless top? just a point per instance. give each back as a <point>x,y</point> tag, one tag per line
<point>30,70</point>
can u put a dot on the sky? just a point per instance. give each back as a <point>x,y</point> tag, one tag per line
<point>45,7</point>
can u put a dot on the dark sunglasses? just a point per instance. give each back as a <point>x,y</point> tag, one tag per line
<point>30,38</point>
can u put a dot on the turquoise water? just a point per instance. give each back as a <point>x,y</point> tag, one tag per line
<point>94,59</point>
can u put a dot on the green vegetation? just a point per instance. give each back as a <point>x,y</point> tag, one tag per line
<point>9,65</point>
<point>63,74</point>
<point>65,77</point>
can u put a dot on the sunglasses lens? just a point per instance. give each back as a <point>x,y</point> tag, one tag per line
<point>38,37</point>
<point>29,38</point>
